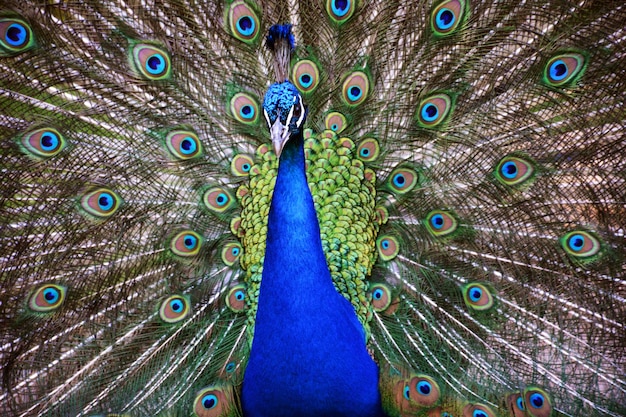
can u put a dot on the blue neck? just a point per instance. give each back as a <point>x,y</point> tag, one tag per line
<point>308,356</point>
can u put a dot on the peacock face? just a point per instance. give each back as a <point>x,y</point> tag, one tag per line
<point>284,112</point>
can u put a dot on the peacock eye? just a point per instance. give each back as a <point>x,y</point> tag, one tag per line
<point>174,309</point>
<point>236,298</point>
<point>297,110</point>
<point>424,390</point>
<point>212,401</point>
<point>537,402</point>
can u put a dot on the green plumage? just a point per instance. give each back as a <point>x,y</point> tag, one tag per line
<point>466,161</point>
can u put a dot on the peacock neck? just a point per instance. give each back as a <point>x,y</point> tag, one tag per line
<point>293,238</point>
<point>308,355</point>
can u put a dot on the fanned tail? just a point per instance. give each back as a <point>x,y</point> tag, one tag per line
<point>477,152</point>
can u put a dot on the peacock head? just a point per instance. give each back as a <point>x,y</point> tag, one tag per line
<point>284,112</point>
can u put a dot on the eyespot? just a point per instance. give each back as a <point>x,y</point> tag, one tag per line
<point>424,390</point>
<point>174,308</point>
<point>388,247</point>
<point>355,88</point>
<point>211,402</point>
<point>43,143</point>
<point>183,144</point>
<point>241,165</point>
<point>580,244</point>
<point>336,122</point>
<point>368,150</point>
<point>477,296</point>
<point>101,203</point>
<point>381,297</point>
<point>243,22</point>
<point>564,69</point>
<point>447,16</point>
<point>514,171</point>
<point>305,75</point>
<point>477,410</point>
<point>519,402</point>
<point>151,61</point>
<point>440,223</point>
<point>47,298</point>
<point>15,36</point>
<point>537,402</point>
<point>514,403</point>
<point>231,252</point>
<point>244,108</point>
<point>434,110</point>
<point>217,199</point>
<point>402,180</point>
<point>236,299</point>
<point>230,367</point>
<point>340,10</point>
<point>186,244</point>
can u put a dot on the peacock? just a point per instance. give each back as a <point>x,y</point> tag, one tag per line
<point>312,208</point>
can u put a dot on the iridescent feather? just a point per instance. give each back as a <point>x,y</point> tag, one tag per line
<point>466,164</point>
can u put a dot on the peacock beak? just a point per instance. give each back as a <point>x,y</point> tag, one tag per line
<point>280,136</point>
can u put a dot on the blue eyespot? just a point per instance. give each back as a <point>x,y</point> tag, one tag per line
<point>49,141</point>
<point>388,247</point>
<point>354,93</point>
<point>209,401</point>
<point>406,392</point>
<point>340,7</point>
<point>190,241</point>
<point>51,295</point>
<point>509,170</point>
<point>46,298</point>
<point>246,25</point>
<point>188,146</point>
<point>247,112</point>
<point>520,403</point>
<point>151,61</point>
<point>536,400</point>
<point>399,180</point>
<point>156,64</point>
<point>240,295</point>
<point>445,19</point>
<point>378,293</point>
<point>437,221</point>
<point>221,199</point>
<point>564,69</point>
<point>306,80</point>
<point>479,413</point>
<point>105,201</point>
<point>100,203</point>
<point>176,305</point>
<point>475,294</point>
<point>558,70</point>
<point>430,112</point>
<point>576,242</point>
<point>16,35</point>
<point>423,387</point>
